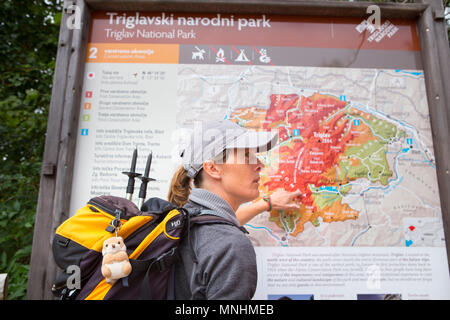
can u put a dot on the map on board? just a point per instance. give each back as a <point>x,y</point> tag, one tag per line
<point>356,142</point>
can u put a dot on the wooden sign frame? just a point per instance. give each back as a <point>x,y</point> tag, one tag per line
<point>58,158</point>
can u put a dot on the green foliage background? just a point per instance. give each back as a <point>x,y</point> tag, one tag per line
<point>28,42</point>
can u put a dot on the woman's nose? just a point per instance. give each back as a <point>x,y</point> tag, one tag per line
<point>259,165</point>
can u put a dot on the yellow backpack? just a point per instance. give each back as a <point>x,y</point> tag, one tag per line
<point>151,237</point>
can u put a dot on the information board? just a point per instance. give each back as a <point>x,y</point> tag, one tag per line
<point>349,103</point>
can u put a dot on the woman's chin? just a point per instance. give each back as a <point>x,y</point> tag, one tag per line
<point>255,194</point>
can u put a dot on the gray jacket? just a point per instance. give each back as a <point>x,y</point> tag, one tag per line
<point>226,260</point>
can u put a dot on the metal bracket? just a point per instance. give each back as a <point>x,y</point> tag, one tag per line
<point>438,14</point>
<point>48,169</point>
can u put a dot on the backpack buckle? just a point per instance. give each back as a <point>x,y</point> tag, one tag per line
<point>65,293</point>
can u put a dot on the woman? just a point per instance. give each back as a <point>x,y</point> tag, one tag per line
<point>220,172</point>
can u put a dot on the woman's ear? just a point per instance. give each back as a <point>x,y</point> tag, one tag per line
<point>213,169</point>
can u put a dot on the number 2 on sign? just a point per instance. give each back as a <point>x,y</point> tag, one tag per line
<point>93,53</point>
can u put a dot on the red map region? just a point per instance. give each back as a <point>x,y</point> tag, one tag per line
<point>317,148</point>
<point>313,134</point>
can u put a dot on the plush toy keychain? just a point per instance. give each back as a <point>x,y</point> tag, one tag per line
<point>115,264</point>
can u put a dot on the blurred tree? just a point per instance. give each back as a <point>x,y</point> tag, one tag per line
<point>447,16</point>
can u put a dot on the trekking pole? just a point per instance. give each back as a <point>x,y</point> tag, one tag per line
<point>145,179</point>
<point>131,175</point>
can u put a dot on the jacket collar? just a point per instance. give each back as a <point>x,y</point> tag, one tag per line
<point>211,201</point>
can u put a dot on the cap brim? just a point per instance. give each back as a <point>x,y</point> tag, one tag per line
<point>260,140</point>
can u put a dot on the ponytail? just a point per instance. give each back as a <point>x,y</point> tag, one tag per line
<point>180,187</point>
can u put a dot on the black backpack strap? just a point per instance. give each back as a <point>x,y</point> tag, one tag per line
<point>160,264</point>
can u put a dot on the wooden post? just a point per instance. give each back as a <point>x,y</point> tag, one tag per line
<point>3,286</point>
<point>56,176</point>
<point>283,7</point>
<point>436,65</point>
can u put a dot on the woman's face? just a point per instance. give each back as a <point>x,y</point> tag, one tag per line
<point>240,175</point>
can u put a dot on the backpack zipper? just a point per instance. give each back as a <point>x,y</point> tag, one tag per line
<point>111,211</point>
<point>115,213</point>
